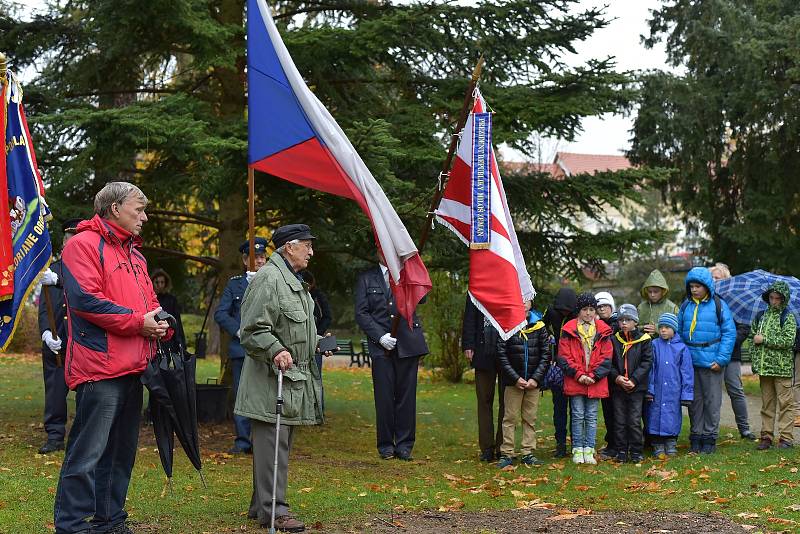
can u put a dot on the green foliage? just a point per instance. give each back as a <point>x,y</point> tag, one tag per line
<point>442,316</point>
<point>728,124</point>
<point>167,111</point>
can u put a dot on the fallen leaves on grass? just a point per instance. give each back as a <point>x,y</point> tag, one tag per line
<point>663,474</point>
<point>650,487</point>
<point>455,504</point>
<point>568,514</point>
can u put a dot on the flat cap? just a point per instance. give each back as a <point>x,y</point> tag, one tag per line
<point>260,246</point>
<point>70,224</point>
<point>287,233</point>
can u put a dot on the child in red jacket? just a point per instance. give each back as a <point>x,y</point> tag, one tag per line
<point>584,354</point>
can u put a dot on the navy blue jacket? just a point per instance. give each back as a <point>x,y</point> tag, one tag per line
<point>228,313</point>
<point>479,337</point>
<point>375,310</point>
<point>59,309</point>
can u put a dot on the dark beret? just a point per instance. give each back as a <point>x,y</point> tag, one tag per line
<point>70,224</point>
<point>287,233</point>
<point>260,246</point>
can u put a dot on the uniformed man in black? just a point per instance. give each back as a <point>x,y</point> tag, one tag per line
<point>53,349</point>
<point>228,318</point>
<point>394,363</point>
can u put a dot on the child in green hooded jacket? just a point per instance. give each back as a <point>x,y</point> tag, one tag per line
<point>772,353</point>
<point>655,291</point>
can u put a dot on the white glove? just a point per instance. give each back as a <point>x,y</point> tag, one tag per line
<point>250,275</point>
<point>239,333</point>
<point>387,341</point>
<point>52,343</point>
<point>49,278</point>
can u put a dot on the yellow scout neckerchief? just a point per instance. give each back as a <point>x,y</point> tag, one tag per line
<point>627,345</point>
<point>694,317</point>
<point>524,333</point>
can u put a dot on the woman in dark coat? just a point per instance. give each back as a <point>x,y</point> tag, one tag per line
<point>162,283</point>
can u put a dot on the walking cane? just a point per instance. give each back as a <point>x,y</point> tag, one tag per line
<point>278,410</point>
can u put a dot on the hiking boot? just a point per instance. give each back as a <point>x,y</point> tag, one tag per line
<point>530,459</point>
<point>487,455</point>
<point>287,523</point>
<point>749,436</point>
<point>764,444</point>
<point>588,456</point>
<point>577,455</point>
<point>708,446</point>
<point>561,450</point>
<point>51,446</point>
<point>504,461</point>
<point>783,444</point>
<point>607,454</point>
<point>671,447</point>
<point>660,451</point>
<point>695,444</point>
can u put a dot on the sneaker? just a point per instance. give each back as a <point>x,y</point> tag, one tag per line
<point>505,461</point>
<point>709,446</point>
<point>636,458</point>
<point>783,444</point>
<point>51,446</point>
<point>749,436</point>
<point>287,523</point>
<point>236,450</point>
<point>530,459</point>
<point>577,455</point>
<point>671,447</point>
<point>403,455</point>
<point>561,450</point>
<point>764,444</point>
<point>695,445</point>
<point>660,451</point>
<point>607,454</point>
<point>621,458</point>
<point>588,456</point>
<point>487,455</point>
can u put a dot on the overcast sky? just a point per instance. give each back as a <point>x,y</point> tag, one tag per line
<point>608,134</point>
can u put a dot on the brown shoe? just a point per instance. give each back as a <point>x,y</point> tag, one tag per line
<point>764,444</point>
<point>287,523</point>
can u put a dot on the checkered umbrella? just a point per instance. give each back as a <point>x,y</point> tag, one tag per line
<point>743,293</point>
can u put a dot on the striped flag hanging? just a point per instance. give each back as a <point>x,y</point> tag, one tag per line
<point>475,208</point>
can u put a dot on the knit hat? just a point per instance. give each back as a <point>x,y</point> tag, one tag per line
<point>604,298</point>
<point>586,300</point>
<point>628,311</point>
<point>670,320</point>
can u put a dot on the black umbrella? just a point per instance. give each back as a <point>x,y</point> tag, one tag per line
<point>170,378</point>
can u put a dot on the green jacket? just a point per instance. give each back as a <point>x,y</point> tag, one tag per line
<point>278,314</point>
<point>775,356</point>
<point>649,313</point>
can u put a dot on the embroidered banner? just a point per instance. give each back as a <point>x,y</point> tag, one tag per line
<point>481,228</point>
<point>24,212</point>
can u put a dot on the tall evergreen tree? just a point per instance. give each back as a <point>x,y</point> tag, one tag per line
<point>154,92</point>
<point>728,124</point>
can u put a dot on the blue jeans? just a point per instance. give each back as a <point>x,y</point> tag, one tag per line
<point>584,421</point>
<point>101,451</point>
<point>241,424</point>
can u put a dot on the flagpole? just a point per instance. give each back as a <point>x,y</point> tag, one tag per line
<point>444,175</point>
<point>251,217</point>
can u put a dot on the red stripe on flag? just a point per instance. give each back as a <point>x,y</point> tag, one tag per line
<point>491,282</point>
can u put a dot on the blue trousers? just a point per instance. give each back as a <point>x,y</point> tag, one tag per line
<point>55,397</point>
<point>101,451</point>
<point>241,424</point>
<point>584,421</point>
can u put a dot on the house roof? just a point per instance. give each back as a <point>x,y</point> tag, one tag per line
<point>571,163</point>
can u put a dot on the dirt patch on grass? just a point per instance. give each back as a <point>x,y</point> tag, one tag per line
<point>550,521</point>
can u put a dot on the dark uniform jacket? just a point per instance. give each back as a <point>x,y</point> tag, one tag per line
<point>511,355</point>
<point>375,309</point>
<point>639,360</point>
<point>56,293</point>
<point>228,313</point>
<point>480,337</point>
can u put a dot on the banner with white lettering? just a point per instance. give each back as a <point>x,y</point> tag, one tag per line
<point>480,227</point>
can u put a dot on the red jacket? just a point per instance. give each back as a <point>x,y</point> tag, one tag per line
<point>107,291</point>
<point>572,360</point>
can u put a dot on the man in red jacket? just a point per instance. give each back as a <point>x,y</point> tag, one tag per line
<point>111,308</point>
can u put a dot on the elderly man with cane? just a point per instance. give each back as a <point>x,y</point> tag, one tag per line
<point>280,339</point>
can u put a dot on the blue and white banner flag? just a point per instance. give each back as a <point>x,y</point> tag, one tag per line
<point>480,228</point>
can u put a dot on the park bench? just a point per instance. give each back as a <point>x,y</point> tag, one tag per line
<point>345,348</point>
<point>366,358</point>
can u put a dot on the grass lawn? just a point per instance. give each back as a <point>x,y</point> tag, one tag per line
<point>337,480</point>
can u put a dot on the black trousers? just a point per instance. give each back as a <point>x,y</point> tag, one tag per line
<point>394,383</point>
<point>490,437</point>
<point>608,418</point>
<point>55,397</point>
<point>628,420</point>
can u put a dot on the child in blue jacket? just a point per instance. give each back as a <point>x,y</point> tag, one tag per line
<point>671,386</point>
<point>706,326</point>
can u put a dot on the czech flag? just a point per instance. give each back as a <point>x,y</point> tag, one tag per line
<point>474,200</point>
<point>292,136</point>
